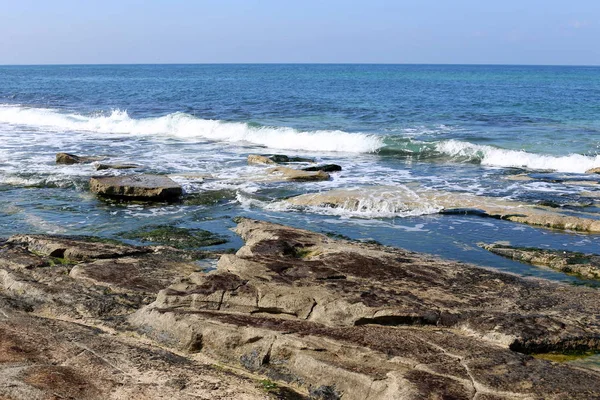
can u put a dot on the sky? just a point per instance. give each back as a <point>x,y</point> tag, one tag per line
<point>555,32</point>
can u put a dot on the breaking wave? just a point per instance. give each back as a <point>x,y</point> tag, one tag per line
<point>186,126</point>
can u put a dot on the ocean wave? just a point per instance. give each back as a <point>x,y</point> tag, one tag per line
<point>465,152</point>
<point>497,157</point>
<point>186,126</point>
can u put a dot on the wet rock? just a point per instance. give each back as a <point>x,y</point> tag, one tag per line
<point>277,159</point>
<point>256,159</point>
<point>283,159</point>
<point>324,168</point>
<point>364,321</point>
<point>593,171</point>
<point>290,174</point>
<point>179,238</point>
<point>100,166</point>
<point>569,262</point>
<point>397,200</point>
<point>209,197</point>
<point>66,158</point>
<point>148,187</point>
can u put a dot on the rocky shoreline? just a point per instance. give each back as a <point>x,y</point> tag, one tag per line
<point>292,314</point>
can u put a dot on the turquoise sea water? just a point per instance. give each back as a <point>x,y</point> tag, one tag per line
<point>449,128</point>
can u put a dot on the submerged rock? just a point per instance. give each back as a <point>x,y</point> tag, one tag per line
<point>66,158</point>
<point>569,262</point>
<point>209,197</point>
<point>148,187</point>
<point>100,167</point>
<point>290,174</point>
<point>180,238</point>
<point>324,168</point>
<point>365,321</point>
<point>593,171</point>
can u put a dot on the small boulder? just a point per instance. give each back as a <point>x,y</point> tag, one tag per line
<point>290,174</point>
<point>324,168</point>
<point>147,187</point>
<point>68,159</point>
<point>593,171</point>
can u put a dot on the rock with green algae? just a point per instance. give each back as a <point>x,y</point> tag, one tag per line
<point>569,262</point>
<point>180,238</point>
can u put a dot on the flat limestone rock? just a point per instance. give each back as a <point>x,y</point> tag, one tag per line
<point>290,174</point>
<point>43,359</point>
<point>393,200</point>
<point>74,248</point>
<point>75,278</point>
<point>133,274</point>
<point>68,159</point>
<point>364,321</point>
<point>150,187</point>
<point>570,262</point>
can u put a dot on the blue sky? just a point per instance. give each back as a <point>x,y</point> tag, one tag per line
<point>306,31</point>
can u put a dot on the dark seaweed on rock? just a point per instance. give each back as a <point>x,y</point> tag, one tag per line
<point>180,238</point>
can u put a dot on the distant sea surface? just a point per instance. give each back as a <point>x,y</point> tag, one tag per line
<point>451,128</point>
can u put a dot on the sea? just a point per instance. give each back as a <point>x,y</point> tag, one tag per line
<point>455,128</point>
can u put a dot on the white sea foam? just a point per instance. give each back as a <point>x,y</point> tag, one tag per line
<point>185,126</point>
<point>373,205</point>
<point>492,156</point>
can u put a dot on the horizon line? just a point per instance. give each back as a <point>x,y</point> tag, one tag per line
<point>297,63</point>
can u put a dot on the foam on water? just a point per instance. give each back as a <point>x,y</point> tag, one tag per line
<point>493,156</point>
<point>370,205</point>
<point>186,126</point>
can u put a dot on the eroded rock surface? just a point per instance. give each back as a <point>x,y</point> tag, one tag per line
<point>150,187</point>
<point>359,321</point>
<point>42,359</point>
<point>569,262</point>
<point>63,304</point>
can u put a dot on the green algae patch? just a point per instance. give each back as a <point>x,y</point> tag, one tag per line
<point>563,357</point>
<point>179,238</point>
<point>209,197</point>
